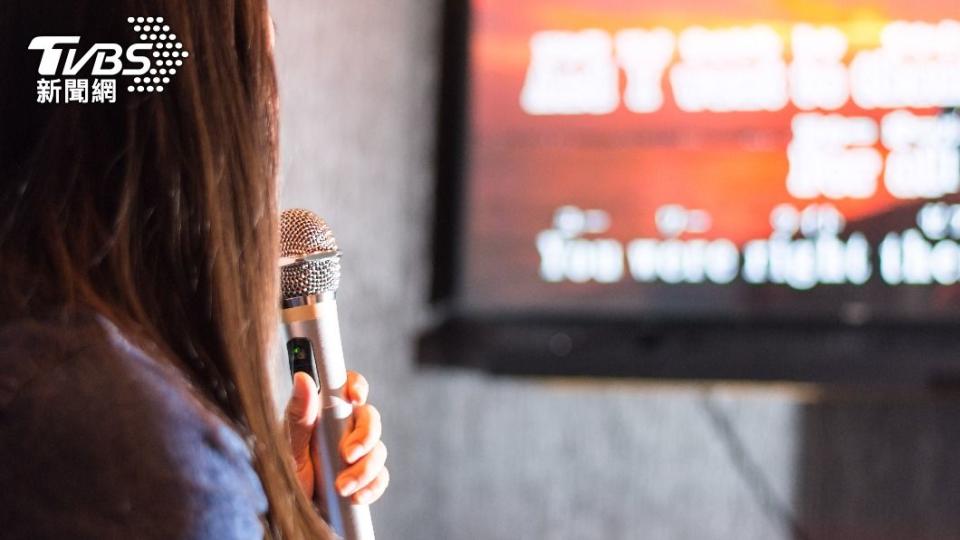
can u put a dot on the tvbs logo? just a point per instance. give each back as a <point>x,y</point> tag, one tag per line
<point>107,57</point>
<point>150,63</point>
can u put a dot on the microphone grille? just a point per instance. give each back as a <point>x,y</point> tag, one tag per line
<point>304,233</point>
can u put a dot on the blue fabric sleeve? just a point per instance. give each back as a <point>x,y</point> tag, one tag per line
<point>98,440</point>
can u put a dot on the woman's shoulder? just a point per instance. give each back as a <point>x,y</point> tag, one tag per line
<point>99,439</point>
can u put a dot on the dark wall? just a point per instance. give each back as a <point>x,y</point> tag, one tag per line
<point>475,457</point>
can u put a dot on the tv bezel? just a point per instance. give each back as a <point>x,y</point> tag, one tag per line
<point>823,350</point>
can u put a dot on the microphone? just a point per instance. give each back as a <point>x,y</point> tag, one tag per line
<point>309,279</point>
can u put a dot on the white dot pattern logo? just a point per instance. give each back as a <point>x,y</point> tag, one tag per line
<point>167,51</point>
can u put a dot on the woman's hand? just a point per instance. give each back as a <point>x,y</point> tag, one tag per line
<point>366,477</point>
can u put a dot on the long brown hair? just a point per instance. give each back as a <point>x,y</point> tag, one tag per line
<point>157,211</point>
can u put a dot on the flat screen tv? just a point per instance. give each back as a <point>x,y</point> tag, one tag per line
<point>692,189</point>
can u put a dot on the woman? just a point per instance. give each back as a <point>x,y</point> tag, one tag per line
<point>138,285</point>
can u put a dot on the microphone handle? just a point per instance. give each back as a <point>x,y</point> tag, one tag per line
<point>319,325</point>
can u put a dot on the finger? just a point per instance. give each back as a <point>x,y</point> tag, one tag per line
<point>374,490</point>
<point>357,388</point>
<point>361,473</point>
<point>365,433</point>
<point>301,415</point>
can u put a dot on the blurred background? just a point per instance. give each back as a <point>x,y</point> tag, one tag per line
<point>475,455</point>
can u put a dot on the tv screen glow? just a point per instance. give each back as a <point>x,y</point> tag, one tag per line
<point>713,159</point>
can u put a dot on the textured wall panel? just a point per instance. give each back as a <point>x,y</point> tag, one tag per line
<point>475,457</point>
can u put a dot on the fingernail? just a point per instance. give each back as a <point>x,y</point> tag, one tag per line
<point>364,497</point>
<point>354,453</point>
<point>348,487</point>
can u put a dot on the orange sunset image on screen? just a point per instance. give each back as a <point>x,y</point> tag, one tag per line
<point>756,151</point>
